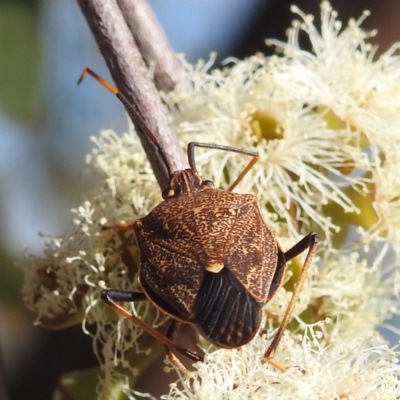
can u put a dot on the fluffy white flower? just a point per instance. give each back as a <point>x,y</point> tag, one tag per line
<point>357,368</point>
<point>310,116</point>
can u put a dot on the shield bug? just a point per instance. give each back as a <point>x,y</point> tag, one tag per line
<point>207,258</point>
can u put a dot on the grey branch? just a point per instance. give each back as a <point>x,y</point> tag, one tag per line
<point>134,81</point>
<point>153,45</point>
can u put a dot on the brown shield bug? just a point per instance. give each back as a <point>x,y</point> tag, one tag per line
<point>207,258</point>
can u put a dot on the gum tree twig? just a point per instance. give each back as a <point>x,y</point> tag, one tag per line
<point>134,81</point>
<point>153,44</point>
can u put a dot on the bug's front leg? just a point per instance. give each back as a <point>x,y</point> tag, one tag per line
<point>121,227</point>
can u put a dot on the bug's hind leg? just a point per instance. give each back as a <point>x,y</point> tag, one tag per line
<point>112,297</point>
<point>308,242</point>
<point>171,334</point>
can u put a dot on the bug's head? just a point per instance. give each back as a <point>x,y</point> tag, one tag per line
<point>185,181</point>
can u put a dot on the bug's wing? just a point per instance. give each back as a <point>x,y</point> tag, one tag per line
<point>226,314</point>
<point>169,273</point>
<point>252,252</point>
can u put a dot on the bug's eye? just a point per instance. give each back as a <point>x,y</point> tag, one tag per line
<point>167,193</point>
<point>209,184</point>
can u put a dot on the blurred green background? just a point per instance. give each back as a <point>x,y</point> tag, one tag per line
<point>19,58</point>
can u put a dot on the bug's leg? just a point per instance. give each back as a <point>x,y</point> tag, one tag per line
<point>232,149</point>
<point>122,227</point>
<point>308,242</point>
<point>111,297</point>
<point>133,111</point>
<point>171,334</point>
<point>130,107</point>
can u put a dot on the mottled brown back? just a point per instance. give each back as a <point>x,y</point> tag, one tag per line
<point>184,235</point>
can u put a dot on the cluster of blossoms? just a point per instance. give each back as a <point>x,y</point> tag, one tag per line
<point>325,124</point>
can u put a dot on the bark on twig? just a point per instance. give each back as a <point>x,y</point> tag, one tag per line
<point>134,81</point>
<point>153,45</point>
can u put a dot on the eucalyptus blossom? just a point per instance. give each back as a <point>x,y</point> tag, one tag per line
<point>325,123</point>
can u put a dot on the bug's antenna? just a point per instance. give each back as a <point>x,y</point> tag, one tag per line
<point>138,119</point>
<point>192,163</point>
